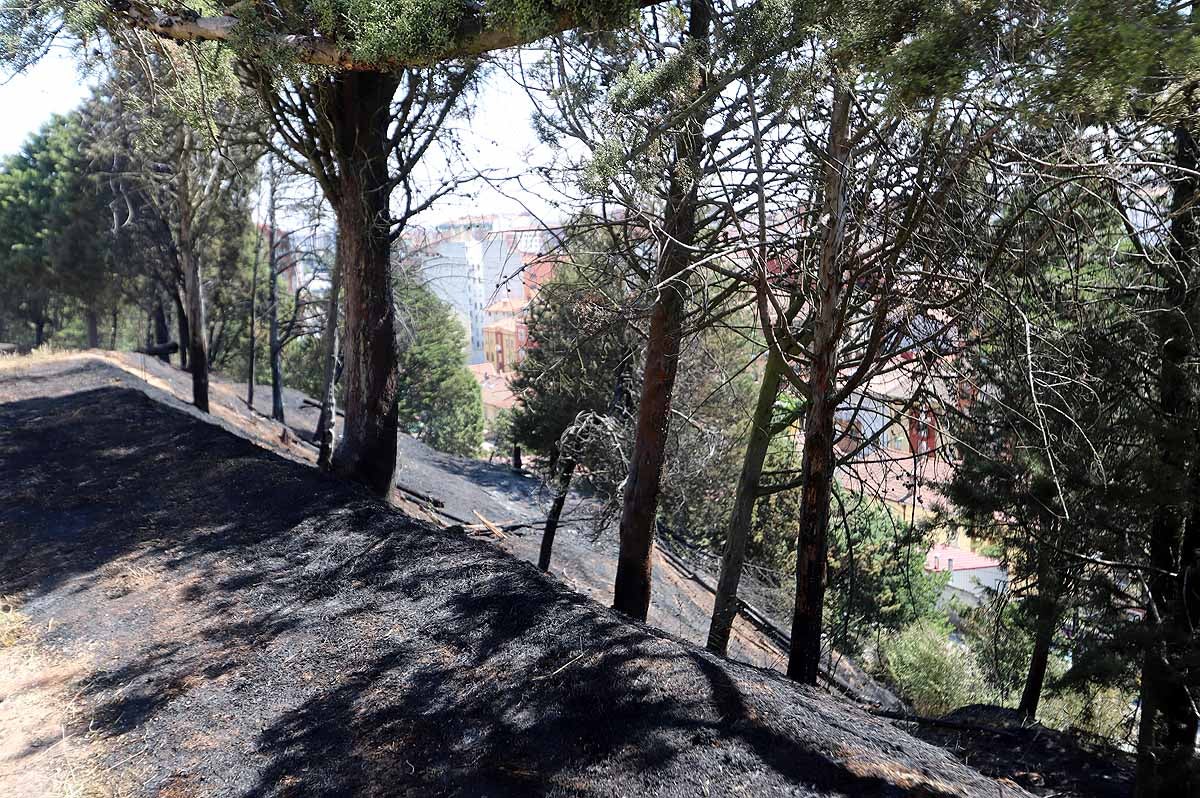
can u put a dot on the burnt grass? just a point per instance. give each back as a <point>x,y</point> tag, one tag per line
<point>251,627</point>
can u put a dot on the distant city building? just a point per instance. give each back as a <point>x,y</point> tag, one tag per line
<point>474,263</point>
<point>496,393</point>
<point>973,576</point>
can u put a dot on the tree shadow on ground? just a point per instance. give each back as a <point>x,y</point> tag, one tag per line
<point>259,629</point>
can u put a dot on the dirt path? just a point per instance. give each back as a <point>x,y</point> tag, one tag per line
<point>236,624</point>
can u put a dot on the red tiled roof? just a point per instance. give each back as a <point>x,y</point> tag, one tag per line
<point>494,387</point>
<point>940,556</point>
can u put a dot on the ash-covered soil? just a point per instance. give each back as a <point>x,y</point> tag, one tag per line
<point>237,624</point>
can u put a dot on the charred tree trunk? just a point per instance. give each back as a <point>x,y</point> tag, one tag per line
<point>92,319</point>
<point>359,112</point>
<point>1043,637</point>
<point>276,351</point>
<point>631,593</point>
<point>252,355</point>
<point>567,467</point>
<point>725,603</point>
<point>193,288</point>
<point>816,469</point>
<point>197,343</point>
<point>1166,756</point>
<point>112,340</point>
<point>182,324</point>
<point>327,423</point>
<point>516,457</point>
<point>39,332</point>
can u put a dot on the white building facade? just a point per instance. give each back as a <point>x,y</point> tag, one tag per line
<point>473,262</point>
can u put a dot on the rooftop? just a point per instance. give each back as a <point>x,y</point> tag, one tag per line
<point>943,557</point>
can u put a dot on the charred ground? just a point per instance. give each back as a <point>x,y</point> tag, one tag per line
<point>237,624</point>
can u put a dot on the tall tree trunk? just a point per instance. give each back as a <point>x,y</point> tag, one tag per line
<point>631,593</point>
<point>725,603</point>
<point>567,467</point>
<point>817,466</point>
<point>275,348</point>
<point>197,340</point>
<point>359,113</point>
<point>112,339</point>
<point>193,287</point>
<point>184,333</point>
<point>327,423</point>
<point>252,355</point>
<point>1166,757</point>
<point>39,332</point>
<point>92,319</point>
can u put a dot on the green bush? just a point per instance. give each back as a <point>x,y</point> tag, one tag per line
<point>932,673</point>
<point>1105,713</point>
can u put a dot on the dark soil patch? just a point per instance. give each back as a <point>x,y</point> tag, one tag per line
<point>250,627</point>
<point>1045,761</point>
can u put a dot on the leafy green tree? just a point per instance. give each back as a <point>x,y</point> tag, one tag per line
<point>440,401</point>
<point>58,253</point>
<point>359,94</point>
<point>878,584</point>
<point>578,362</point>
<point>27,279</point>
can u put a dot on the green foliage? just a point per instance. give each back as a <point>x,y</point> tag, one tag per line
<point>304,366</point>
<point>930,671</point>
<point>439,400</point>
<point>413,30</point>
<point>578,355</point>
<point>1000,633</point>
<point>877,579</point>
<point>56,246</point>
<point>877,583</point>
<point>1104,713</point>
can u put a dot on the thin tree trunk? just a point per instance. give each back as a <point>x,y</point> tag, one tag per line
<point>631,593</point>
<point>197,341</point>
<point>276,351</point>
<point>560,498</point>
<point>275,348</point>
<point>92,318</point>
<point>725,603</point>
<point>112,340</point>
<point>184,333</point>
<point>252,355</point>
<point>816,470</point>
<point>360,113</point>
<point>327,424</point>
<point>1047,622</point>
<point>193,286</point>
<point>39,333</point>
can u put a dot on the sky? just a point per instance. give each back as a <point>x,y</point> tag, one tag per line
<point>497,136</point>
<point>52,86</point>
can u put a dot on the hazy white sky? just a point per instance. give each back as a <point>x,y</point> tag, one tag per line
<point>497,136</point>
<point>29,99</point>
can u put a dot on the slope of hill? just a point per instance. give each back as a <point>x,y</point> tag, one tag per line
<point>681,601</point>
<point>199,616</point>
